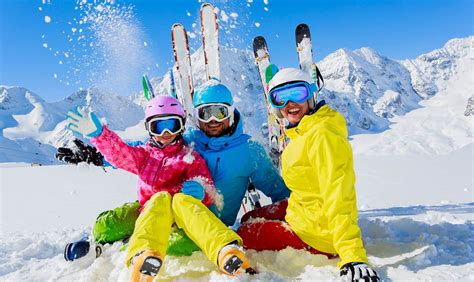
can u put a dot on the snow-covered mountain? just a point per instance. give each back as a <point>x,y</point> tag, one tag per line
<point>372,91</point>
<point>31,129</point>
<point>368,88</point>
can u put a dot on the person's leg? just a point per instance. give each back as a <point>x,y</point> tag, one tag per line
<point>275,211</point>
<point>273,235</point>
<point>117,224</point>
<point>202,226</point>
<point>218,242</point>
<point>111,226</point>
<point>152,228</point>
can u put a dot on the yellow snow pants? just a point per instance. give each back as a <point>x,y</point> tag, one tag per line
<point>153,226</point>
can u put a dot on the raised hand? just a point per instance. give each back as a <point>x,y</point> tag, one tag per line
<point>84,122</point>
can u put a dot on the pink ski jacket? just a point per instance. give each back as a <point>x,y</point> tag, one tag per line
<point>158,169</point>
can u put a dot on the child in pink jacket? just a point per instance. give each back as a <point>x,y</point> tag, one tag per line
<point>174,184</point>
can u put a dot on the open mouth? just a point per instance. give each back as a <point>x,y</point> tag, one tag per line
<point>294,111</point>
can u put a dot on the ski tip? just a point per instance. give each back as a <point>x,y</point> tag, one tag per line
<point>259,42</point>
<point>207,4</point>
<point>175,25</point>
<point>258,39</point>
<point>302,26</point>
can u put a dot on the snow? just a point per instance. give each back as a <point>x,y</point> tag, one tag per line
<point>417,226</point>
<point>47,19</point>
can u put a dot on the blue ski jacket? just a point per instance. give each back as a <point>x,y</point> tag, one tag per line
<point>234,160</point>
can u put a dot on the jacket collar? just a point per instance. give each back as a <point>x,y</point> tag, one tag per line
<point>323,116</point>
<point>172,148</point>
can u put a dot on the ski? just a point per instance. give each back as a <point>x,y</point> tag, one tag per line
<point>172,90</point>
<point>210,41</point>
<point>147,88</point>
<point>183,67</point>
<point>304,48</point>
<point>276,127</point>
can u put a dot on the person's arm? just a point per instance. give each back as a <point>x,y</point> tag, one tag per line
<point>331,158</point>
<point>265,176</point>
<point>118,153</point>
<point>198,172</point>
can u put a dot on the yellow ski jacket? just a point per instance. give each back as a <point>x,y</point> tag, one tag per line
<point>317,167</point>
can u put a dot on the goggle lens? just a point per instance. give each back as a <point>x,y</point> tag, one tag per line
<point>297,93</point>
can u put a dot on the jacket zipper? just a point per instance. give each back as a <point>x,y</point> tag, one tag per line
<point>215,168</point>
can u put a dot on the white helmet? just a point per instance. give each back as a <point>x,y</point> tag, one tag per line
<point>287,75</point>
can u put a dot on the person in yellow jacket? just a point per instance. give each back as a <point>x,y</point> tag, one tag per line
<point>317,167</point>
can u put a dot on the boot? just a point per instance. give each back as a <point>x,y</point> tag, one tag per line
<point>146,266</point>
<point>232,260</point>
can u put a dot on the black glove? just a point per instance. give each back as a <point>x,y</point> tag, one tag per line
<point>355,271</point>
<point>81,152</point>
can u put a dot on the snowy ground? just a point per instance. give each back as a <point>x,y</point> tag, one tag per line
<point>416,217</point>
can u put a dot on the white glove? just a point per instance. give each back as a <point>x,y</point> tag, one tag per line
<point>355,271</point>
<point>84,122</point>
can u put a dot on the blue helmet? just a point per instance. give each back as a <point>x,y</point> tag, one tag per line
<point>212,92</point>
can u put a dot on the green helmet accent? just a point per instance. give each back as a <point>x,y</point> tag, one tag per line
<point>212,92</point>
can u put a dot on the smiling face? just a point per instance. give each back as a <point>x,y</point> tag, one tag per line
<point>166,139</point>
<point>214,128</point>
<point>294,112</point>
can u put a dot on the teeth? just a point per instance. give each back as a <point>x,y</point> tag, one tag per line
<point>213,125</point>
<point>293,111</point>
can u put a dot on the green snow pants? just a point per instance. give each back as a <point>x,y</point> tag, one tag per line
<point>118,224</point>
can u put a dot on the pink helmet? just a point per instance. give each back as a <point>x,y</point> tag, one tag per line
<point>164,105</point>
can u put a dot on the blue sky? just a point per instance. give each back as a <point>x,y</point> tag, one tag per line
<point>397,29</point>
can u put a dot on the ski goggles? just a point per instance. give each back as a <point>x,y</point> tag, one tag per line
<point>218,112</point>
<point>157,126</point>
<point>297,92</point>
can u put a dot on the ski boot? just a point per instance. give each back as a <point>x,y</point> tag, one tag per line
<point>81,248</point>
<point>145,266</point>
<point>232,261</point>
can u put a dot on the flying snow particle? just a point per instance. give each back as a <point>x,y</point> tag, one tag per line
<point>191,34</point>
<point>47,19</point>
<point>73,29</point>
<point>145,43</point>
<point>266,9</point>
<point>234,15</point>
<point>249,1</point>
<point>188,13</point>
<point>66,55</point>
<point>60,62</point>
<point>99,8</point>
<point>257,24</point>
<point>55,75</point>
<point>45,45</point>
<point>224,16</point>
<point>40,8</point>
<point>265,2</point>
<point>243,77</point>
